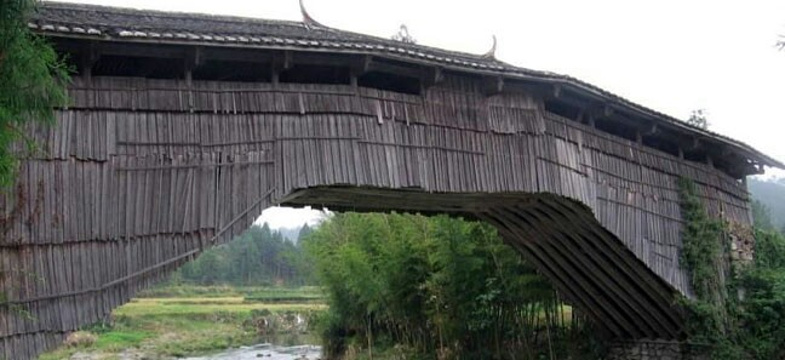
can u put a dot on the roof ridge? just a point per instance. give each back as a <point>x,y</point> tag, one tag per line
<point>250,20</point>
<point>162,13</point>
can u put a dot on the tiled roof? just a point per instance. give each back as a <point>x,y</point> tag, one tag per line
<point>111,23</point>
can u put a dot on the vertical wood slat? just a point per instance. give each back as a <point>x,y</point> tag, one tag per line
<point>99,224</point>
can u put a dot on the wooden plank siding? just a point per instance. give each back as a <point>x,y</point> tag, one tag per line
<point>138,176</point>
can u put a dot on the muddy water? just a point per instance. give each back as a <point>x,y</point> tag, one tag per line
<point>267,351</point>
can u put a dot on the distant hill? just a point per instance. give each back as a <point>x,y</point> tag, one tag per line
<point>772,194</point>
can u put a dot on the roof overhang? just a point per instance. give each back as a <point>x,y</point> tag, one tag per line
<point>326,40</point>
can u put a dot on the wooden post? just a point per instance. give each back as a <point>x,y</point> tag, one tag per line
<point>193,59</point>
<point>431,76</point>
<point>88,58</point>
<point>557,91</point>
<point>281,61</point>
<point>580,116</point>
<point>492,85</point>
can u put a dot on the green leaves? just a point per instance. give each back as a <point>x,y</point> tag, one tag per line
<point>434,284</point>
<point>259,256</point>
<point>748,326</point>
<point>702,244</point>
<point>32,82</point>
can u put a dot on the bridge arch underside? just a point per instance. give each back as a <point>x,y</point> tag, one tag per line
<point>587,264</point>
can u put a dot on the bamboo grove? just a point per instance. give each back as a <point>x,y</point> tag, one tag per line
<point>437,287</point>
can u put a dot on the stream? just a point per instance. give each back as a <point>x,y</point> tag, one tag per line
<point>267,351</point>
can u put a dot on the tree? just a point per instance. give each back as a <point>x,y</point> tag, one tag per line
<point>437,286</point>
<point>698,119</point>
<point>32,81</point>
<point>762,216</point>
<point>259,256</point>
<point>304,231</point>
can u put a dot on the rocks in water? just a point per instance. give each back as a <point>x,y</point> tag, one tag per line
<point>265,322</point>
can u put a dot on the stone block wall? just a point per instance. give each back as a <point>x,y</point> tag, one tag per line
<point>655,350</point>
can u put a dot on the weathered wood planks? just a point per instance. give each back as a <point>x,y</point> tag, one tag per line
<point>139,175</point>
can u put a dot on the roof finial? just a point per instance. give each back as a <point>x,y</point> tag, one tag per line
<point>307,19</point>
<point>491,54</point>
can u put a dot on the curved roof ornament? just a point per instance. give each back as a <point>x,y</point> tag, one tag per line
<point>491,54</point>
<point>307,19</point>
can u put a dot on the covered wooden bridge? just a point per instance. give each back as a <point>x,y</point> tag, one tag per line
<point>184,127</point>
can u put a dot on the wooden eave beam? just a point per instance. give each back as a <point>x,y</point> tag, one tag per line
<point>243,55</point>
<point>397,69</point>
<point>142,50</point>
<point>314,58</point>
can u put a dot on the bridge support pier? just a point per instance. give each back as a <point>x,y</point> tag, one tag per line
<point>648,349</point>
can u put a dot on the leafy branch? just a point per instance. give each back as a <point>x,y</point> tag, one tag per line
<point>32,81</point>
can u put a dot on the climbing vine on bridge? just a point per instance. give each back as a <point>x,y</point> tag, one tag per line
<point>704,255</point>
<point>739,308</point>
<point>703,250</point>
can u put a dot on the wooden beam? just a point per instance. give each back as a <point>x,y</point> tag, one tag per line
<point>142,50</point>
<point>597,111</point>
<point>89,55</point>
<point>281,60</point>
<point>607,111</point>
<point>359,65</point>
<point>397,69</point>
<point>240,55</point>
<point>432,76</point>
<point>492,85</point>
<point>725,151</point>
<point>696,143</point>
<point>193,59</point>
<point>652,130</point>
<point>580,116</point>
<point>557,90</point>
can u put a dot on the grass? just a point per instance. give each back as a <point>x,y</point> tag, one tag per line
<point>198,321</point>
<point>181,291</point>
<point>157,307</point>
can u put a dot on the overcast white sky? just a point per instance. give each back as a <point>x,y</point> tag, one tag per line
<point>670,55</point>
